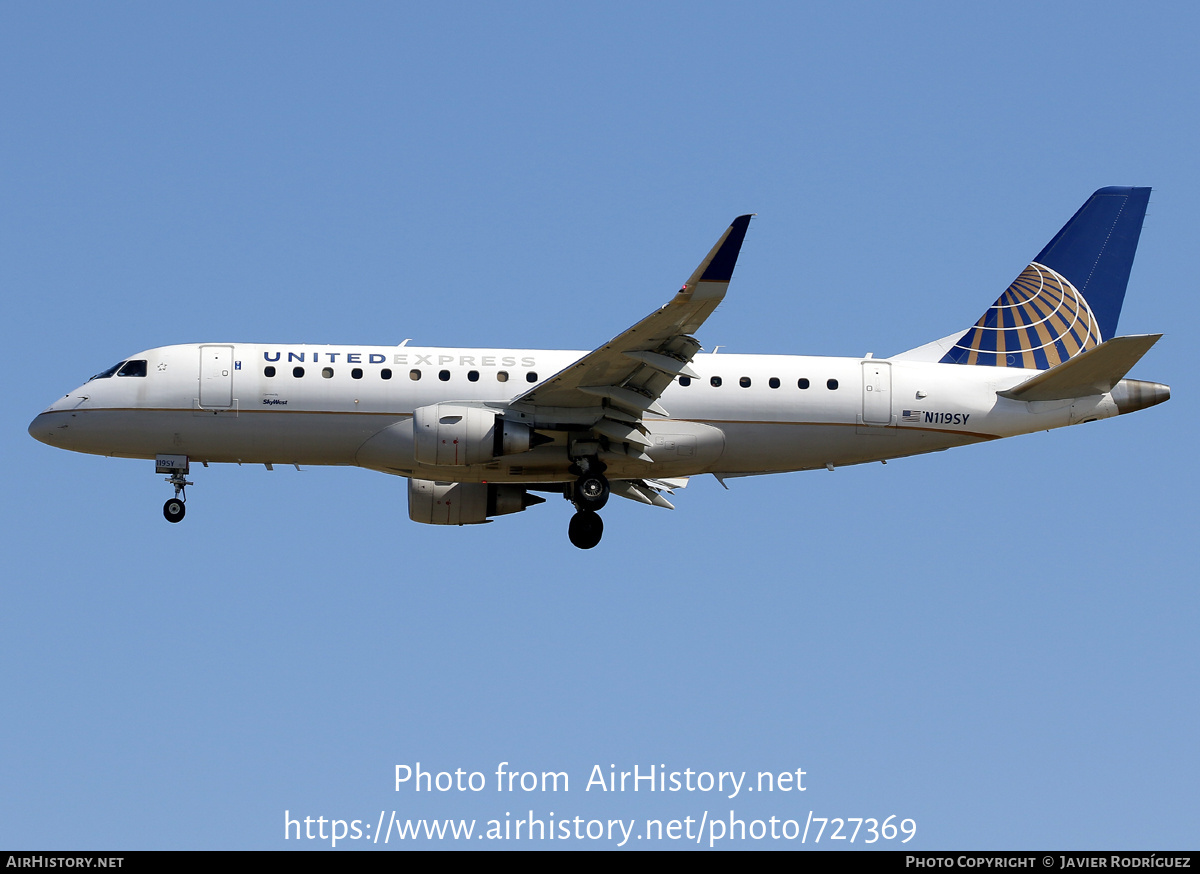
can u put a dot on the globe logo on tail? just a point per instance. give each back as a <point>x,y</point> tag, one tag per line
<point>1040,321</point>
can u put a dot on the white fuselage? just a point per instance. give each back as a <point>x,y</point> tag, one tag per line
<point>352,405</point>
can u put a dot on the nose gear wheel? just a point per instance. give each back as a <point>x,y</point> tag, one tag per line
<point>174,509</point>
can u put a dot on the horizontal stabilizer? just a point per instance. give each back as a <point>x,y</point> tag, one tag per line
<point>1093,372</point>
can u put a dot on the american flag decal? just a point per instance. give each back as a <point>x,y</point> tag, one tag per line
<point>911,416</point>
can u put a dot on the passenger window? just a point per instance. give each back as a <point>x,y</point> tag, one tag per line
<point>356,373</point>
<point>444,375</point>
<point>297,372</point>
<point>744,382</point>
<point>831,384</point>
<point>414,374</point>
<point>133,368</point>
<point>802,383</point>
<point>531,376</point>
<point>685,381</point>
<point>502,376</point>
<point>715,382</point>
<point>773,382</point>
<point>473,376</point>
<point>386,373</point>
<point>327,372</point>
<point>269,370</point>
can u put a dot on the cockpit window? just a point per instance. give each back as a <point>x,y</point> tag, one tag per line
<point>133,368</point>
<point>105,374</point>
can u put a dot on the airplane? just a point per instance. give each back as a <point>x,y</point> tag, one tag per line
<point>478,432</point>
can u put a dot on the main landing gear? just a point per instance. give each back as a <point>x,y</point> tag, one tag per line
<point>589,494</point>
<point>586,529</point>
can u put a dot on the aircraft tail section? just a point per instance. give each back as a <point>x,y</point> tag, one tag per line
<point>1096,371</point>
<point>1068,300</point>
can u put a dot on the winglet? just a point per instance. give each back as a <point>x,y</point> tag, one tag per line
<point>632,370</point>
<point>723,257</point>
<point>717,267</point>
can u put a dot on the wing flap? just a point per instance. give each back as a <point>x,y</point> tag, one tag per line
<point>630,399</point>
<point>640,491</point>
<point>621,432</point>
<point>663,363</point>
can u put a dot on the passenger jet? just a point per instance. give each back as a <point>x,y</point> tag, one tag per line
<point>479,432</point>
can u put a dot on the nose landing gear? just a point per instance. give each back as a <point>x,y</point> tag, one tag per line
<point>177,467</point>
<point>174,509</point>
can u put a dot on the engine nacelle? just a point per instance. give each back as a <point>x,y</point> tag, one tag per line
<point>435,503</point>
<point>451,435</point>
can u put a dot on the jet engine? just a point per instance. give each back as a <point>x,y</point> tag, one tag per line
<point>437,503</point>
<point>455,435</point>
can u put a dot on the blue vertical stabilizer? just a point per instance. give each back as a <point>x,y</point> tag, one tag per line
<point>1068,300</point>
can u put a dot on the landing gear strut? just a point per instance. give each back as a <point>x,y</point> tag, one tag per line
<point>177,466</point>
<point>589,494</point>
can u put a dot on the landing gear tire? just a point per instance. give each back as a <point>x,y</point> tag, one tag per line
<point>586,529</point>
<point>173,510</point>
<point>591,492</point>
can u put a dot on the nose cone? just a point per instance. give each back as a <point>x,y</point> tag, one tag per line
<point>48,427</point>
<point>1137,394</point>
<point>55,425</point>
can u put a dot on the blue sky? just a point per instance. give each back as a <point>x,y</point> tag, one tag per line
<point>997,642</point>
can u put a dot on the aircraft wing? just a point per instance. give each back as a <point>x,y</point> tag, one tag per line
<point>632,370</point>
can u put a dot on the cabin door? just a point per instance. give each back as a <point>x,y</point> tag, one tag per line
<point>877,393</point>
<point>216,376</point>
